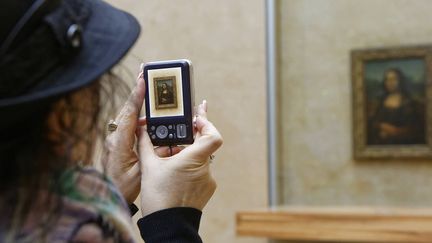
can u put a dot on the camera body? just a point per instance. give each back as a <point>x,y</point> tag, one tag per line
<point>169,102</point>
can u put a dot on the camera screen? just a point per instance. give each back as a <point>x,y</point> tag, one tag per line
<point>165,92</point>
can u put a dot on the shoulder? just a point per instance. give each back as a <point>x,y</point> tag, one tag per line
<point>88,184</point>
<point>93,208</point>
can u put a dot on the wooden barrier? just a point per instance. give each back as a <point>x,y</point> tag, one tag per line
<point>338,224</point>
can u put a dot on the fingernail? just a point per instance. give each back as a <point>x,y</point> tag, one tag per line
<point>205,105</point>
<point>141,74</point>
<point>194,120</point>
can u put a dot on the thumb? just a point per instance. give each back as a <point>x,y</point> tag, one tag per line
<point>207,143</point>
<point>145,147</point>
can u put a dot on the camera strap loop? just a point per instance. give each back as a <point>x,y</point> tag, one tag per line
<point>170,148</point>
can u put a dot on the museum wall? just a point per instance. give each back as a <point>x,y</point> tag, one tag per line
<point>315,40</point>
<point>225,40</point>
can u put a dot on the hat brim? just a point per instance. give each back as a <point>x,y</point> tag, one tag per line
<point>107,37</point>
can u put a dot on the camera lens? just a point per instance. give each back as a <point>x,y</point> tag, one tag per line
<point>161,131</point>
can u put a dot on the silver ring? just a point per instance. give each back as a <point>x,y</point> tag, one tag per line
<point>212,157</point>
<point>112,126</point>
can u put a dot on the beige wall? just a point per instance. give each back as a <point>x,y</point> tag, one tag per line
<point>316,39</point>
<point>225,41</point>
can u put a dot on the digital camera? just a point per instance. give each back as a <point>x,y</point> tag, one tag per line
<point>169,102</point>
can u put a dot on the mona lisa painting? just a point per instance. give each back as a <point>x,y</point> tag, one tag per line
<point>391,100</point>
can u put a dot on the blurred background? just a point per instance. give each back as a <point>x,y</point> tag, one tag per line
<point>314,163</point>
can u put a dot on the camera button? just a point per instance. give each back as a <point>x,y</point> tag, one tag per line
<point>169,127</point>
<point>161,131</point>
<point>152,128</point>
<point>181,131</point>
<point>170,136</point>
<point>153,136</point>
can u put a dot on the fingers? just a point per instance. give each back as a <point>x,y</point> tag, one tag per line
<point>145,146</point>
<point>204,103</point>
<point>141,70</point>
<point>208,138</point>
<point>142,121</point>
<point>165,151</point>
<point>127,120</point>
<point>202,109</point>
<point>135,101</point>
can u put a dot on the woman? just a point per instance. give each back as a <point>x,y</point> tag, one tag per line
<point>55,58</point>
<point>397,118</point>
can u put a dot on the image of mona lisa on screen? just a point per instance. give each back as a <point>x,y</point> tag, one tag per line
<point>165,92</point>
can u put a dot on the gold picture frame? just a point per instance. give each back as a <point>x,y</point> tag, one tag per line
<point>165,92</point>
<point>392,115</point>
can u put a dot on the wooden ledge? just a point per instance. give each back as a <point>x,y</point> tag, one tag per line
<point>355,224</point>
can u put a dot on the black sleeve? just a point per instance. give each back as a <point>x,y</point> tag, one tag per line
<point>173,225</point>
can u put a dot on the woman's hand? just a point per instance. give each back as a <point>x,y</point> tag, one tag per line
<point>182,180</point>
<point>120,159</point>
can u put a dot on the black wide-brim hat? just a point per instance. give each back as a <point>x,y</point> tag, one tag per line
<point>70,45</point>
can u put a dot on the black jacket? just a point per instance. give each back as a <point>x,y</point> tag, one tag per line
<point>173,225</point>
